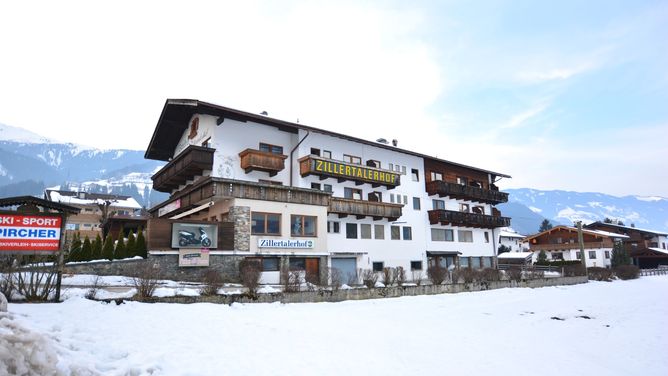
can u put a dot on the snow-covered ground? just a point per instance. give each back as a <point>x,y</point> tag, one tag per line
<point>616,328</point>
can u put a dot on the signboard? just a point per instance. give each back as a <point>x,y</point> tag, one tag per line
<point>194,235</point>
<point>194,257</point>
<point>29,232</point>
<point>354,172</point>
<point>169,207</point>
<point>285,243</point>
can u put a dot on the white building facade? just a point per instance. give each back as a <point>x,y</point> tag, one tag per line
<point>309,199</point>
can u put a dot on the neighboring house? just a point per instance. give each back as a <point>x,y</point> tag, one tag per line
<point>89,221</point>
<point>511,239</point>
<point>648,248</point>
<point>561,243</point>
<point>308,199</point>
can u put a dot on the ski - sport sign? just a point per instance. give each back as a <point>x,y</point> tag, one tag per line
<point>29,233</point>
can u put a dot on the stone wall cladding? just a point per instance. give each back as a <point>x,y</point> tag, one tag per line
<point>241,217</point>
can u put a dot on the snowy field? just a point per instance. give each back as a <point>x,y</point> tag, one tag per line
<point>617,328</point>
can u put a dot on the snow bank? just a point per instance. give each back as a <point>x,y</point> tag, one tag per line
<point>23,351</point>
<point>3,303</point>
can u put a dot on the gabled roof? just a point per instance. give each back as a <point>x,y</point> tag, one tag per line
<point>85,198</point>
<point>597,233</point>
<point>176,114</point>
<point>31,200</point>
<point>625,228</point>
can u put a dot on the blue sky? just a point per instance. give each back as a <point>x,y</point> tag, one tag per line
<point>561,95</point>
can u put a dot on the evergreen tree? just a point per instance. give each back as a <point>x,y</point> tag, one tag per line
<point>545,225</point>
<point>86,250</point>
<point>119,252</point>
<point>97,248</point>
<point>75,249</point>
<point>542,257</point>
<point>607,220</point>
<point>619,255</point>
<point>503,249</point>
<point>140,244</point>
<point>108,248</point>
<point>131,246</point>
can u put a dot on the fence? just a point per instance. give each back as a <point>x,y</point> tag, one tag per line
<point>533,268</point>
<point>658,271</point>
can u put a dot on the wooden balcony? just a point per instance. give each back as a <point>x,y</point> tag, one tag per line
<point>568,246</point>
<point>256,160</point>
<point>465,192</point>
<point>361,208</point>
<point>455,218</point>
<point>342,171</point>
<point>193,161</point>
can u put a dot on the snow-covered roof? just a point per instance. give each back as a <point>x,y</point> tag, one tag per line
<point>660,250</point>
<point>72,198</point>
<point>628,228</point>
<point>509,234</point>
<point>515,255</point>
<point>606,233</point>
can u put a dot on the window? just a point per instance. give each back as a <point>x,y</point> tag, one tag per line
<point>207,143</point>
<point>405,200</point>
<point>415,174</point>
<point>353,193</point>
<point>486,237</point>
<point>436,176</point>
<point>327,188</point>
<point>475,183</point>
<point>416,265</point>
<point>395,233</point>
<point>577,255</point>
<point>303,225</point>
<point>438,204</point>
<point>315,186</point>
<point>416,203</point>
<point>397,168</point>
<point>557,256</point>
<point>379,232</point>
<point>441,235</point>
<point>478,210</point>
<point>270,182</point>
<point>351,230</point>
<point>327,154</point>
<point>464,262</point>
<point>265,223</point>
<point>268,148</point>
<point>487,262</point>
<point>465,236</point>
<point>373,163</point>
<point>607,254</point>
<point>403,170</point>
<point>315,151</point>
<point>365,231</point>
<point>464,208</point>
<point>392,197</point>
<point>408,233</point>
<point>333,227</point>
<point>390,166</point>
<point>297,263</point>
<point>352,159</point>
<point>375,197</point>
<point>592,254</point>
<point>475,262</point>
<point>270,264</point>
<point>377,266</point>
<point>461,180</point>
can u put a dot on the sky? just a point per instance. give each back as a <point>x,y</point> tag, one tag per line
<point>566,95</point>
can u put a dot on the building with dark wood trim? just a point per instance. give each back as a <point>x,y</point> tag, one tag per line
<point>648,248</point>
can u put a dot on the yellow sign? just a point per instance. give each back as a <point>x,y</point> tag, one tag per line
<point>354,172</point>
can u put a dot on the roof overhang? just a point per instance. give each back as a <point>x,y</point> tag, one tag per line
<point>443,253</point>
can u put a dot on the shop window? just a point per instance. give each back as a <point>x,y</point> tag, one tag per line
<point>378,266</point>
<point>303,225</point>
<point>352,159</point>
<point>416,203</point>
<point>297,263</point>
<point>465,236</point>
<point>464,262</point>
<point>438,204</point>
<point>270,264</point>
<point>395,233</point>
<point>351,230</point>
<point>442,235</point>
<point>487,262</point>
<point>408,233</point>
<point>475,262</point>
<point>416,265</point>
<point>333,227</point>
<point>269,148</point>
<point>365,231</point>
<point>265,223</point>
<point>379,231</point>
<point>415,174</point>
<point>352,193</point>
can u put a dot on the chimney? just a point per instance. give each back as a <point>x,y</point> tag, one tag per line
<point>395,142</point>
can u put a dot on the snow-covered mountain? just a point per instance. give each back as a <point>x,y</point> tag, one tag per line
<point>565,207</point>
<point>30,162</point>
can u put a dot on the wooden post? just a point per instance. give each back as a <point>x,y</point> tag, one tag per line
<point>582,251</point>
<point>61,256</point>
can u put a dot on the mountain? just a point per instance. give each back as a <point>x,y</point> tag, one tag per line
<point>566,207</point>
<point>29,163</point>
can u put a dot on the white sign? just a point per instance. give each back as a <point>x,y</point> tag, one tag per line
<point>194,257</point>
<point>285,243</point>
<point>169,207</point>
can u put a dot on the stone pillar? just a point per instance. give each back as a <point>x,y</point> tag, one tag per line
<point>240,215</point>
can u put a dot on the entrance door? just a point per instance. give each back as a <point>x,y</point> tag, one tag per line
<point>313,270</point>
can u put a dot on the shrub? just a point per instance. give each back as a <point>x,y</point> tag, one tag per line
<point>119,251</point>
<point>336,277</point>
<point>532,273</point>
<point>37,279</point>
<point>92,291</point>
<point>292,281</point>
<point>145,278</point>
<point>490,275</point>
<point>130,246</point>
<point>140,244</point>
<point>97,248</point>
<point>466,275</point>
<point>108,248</point>
<point>86,250</point>
<point>212,282</point>
<point>369,278</point>
<point>250,272</point>
<point>352,278</point>
<point>389,276</point>
<point>416,276</point>
<point>574,270</point>
<point>7,270</point>
<point>627,272</point>
<point>400,273</point>
<point>437,274</point>
<point>514,274</point>
<point>599,274</point>
<point>542,256</point>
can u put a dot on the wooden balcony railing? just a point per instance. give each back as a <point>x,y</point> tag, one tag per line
<point>466,192</point>
<point>361,208</point>
<point>566,246</point>
<point>192,161</point>
<point>256,160</point>
<point>342,171</point>
<point>455,218</point>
